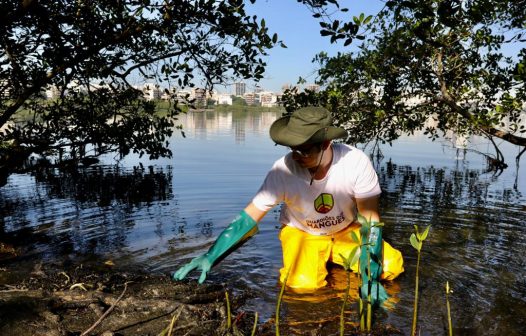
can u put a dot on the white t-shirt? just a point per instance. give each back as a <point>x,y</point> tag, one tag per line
<point>327,206</point>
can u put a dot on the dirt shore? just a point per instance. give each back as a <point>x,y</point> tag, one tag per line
<point>101,301</point>
<point>73,298</point>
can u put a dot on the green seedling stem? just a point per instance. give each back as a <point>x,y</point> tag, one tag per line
<point>362,316</point>
<point>280,298</point>
<point>369,299</point>
<point>228,315</point>
<point>347,265</point>
<point>416,240</point>
<point>415,305</point>
<point>345,298</point>
<point>450,325</point>
<point>254,328</point>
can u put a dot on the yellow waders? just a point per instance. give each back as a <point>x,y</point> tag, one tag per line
<point>307,256</point>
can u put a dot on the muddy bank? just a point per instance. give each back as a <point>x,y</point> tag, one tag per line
<point>92,301</point>
<point>50,299</point>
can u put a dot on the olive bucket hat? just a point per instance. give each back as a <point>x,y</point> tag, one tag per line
<point>306,125</point>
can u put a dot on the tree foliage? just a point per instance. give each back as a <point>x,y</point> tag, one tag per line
<point>82,46</point>
<point>431,65</point>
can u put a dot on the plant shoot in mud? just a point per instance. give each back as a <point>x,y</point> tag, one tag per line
<point>348,262</point>
<point>450,325</point>
<point>370,233</point>
<point>416,240</point>
<point>280,298</point>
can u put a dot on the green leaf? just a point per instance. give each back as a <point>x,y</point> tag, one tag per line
<point>415,243</point>
<point>345,262</point>
<point>363,221</point>
<point>355,253</point>
<point>355,238</point>
<point>424,234</point>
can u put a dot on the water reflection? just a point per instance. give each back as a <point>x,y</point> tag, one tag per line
<point>476,231</point>
<point>162,215</point>
<point>107,184</point>
<point>208,123</point>
<point>86,211</point>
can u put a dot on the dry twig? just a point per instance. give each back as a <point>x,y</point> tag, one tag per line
<point>107,312</point>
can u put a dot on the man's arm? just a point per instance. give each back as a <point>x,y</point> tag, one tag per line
<point>254,212</point>
<point>240,229</point>
<point>368,207</point>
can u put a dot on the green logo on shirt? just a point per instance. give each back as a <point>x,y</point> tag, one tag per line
<point>323,203</point>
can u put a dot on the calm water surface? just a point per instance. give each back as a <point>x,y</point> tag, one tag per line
<point>158,214</point>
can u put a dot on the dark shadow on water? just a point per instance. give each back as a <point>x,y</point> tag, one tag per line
<point>106,184</point>
<point>78,211</point>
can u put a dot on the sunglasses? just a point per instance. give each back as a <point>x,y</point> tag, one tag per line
<point>306,151</point>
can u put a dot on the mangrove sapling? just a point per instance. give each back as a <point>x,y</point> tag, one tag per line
<point>416,240</point>
<point>348,262</point>
<point>280,298</point>
<point>366,244</point>
<point>450,325</point>
<point>254,327</point>
<point>228,314</point>
<point>230,328</point>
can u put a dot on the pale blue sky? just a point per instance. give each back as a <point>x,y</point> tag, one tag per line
<point>301,33</point>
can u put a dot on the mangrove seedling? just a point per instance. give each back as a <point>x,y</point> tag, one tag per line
<point>370,269</point>
<point>280,298</point>
<point>228,314</point>
<point>450,325</point>
<point>255,326</point>
<point>416,240</point>
<point>230,328</point>
<point>348,262</point>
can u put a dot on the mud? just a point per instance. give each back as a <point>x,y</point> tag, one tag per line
<point>89,301</point>
<point>76,299</point>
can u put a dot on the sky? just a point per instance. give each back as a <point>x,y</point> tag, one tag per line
<point>300,32</point>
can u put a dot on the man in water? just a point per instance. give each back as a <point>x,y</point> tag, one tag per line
<point>323,186</point>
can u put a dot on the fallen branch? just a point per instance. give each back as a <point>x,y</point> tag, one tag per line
<point>106,313</point>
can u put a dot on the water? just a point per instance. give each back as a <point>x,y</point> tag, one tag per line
<point>158,214</point>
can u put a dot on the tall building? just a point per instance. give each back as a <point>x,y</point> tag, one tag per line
<point>240,88</point>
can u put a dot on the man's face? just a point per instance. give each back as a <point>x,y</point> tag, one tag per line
<point>306,155</point>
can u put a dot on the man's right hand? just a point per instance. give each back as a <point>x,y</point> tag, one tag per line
<point>201,263</point>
